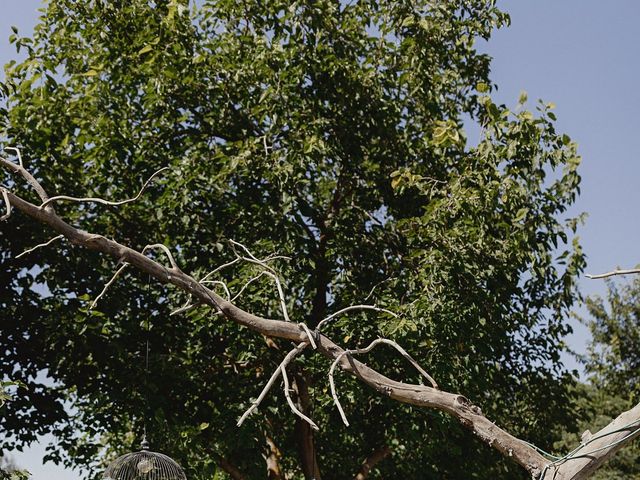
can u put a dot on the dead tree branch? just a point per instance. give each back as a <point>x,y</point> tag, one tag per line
<point>456,405</point>
<point>367,349</point>
<point>614,273</point>
<point>40,245</point>
<point>101,200</point>
<point>287,359</point>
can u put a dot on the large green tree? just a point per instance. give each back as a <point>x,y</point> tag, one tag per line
<point>330,132</point>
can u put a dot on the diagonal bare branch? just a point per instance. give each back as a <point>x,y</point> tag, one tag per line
<point>419,395</point>
<point>287,359</point>
<point>40,245</point>
<point>107,285</point>
<point>292,405</point>
<point>613,273</point>
<point>101,200</point>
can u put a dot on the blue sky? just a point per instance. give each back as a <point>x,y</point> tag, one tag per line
<point>580,54</point>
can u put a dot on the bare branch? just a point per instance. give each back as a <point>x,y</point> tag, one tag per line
<point>40,245</point>
<point>185,308</point>
<point>310,335</point>
<point>25,174</point>
<point>613,273</point>
<point>218,282</point>
<point>5,197</point>
<point>235,260</point>
<point>100,200</point>
<point>290,356</point>
<point>456,405</point>
<point>246,285</point>
<point>248,252</point>
<point>283,303</point>
<point>107,285</point>
<point>292,405</point>
<point>351,308</point>
<point>367,349</point>
<point>162,247</point>
<point>18,154</point>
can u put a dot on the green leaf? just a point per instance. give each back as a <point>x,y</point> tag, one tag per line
<point>145,49</point>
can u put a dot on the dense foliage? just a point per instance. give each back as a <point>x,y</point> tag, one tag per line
<point>614,359</point>
<point>331,132</point>
<point>594,408</point>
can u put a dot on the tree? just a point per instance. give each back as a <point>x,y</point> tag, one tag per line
<point>613,358</point>
<point>8,470</point>
<point>595,408</point>
<point>331,133</point>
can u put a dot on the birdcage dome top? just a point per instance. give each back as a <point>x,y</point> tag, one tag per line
<point>144,465</point>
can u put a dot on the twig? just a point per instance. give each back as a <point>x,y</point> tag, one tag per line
<point>108,284</point>
<point>374,287</point>
<point>614,272</point>
<point>100,200</point>
<point>283,303</point>
<point>353,307</point>
<point>162,247</point>
<point>310,335</point>
<point>234,243</point>
<point>24,173</point>
<point>185,308</point>
<point>18,154</point>
<point>5,196</point>
<point>217,269</point>
<point>40,245</point>
<point>290,402</point>
<point>367,349</point>
<point>268,271</point>
<point>218,282</point>
<point>287,359</point>
<point>244,287</point>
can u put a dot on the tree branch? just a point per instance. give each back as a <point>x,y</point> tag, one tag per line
<point>371,461</point>
<point>273,460</point>
<point>456,405</point>
<point>596,449</point>
<point>229,468</point>
<point>304,432</point>
<point>613,273</point>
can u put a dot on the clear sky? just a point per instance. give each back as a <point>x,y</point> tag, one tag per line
<point>580,54</point>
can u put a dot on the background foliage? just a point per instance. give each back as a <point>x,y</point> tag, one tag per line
<point>329,132</point>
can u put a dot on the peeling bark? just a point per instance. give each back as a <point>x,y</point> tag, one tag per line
<point>273,460</point>
<point>304,432</point>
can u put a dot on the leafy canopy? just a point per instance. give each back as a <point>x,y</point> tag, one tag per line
<point>329,132</point>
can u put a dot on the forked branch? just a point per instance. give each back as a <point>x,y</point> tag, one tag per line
<point>425,396</point>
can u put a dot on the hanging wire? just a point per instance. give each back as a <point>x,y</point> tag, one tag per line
<point>575,453</point>
<point>145,443</point>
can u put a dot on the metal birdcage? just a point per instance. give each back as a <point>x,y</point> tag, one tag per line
<point>144,465</point>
